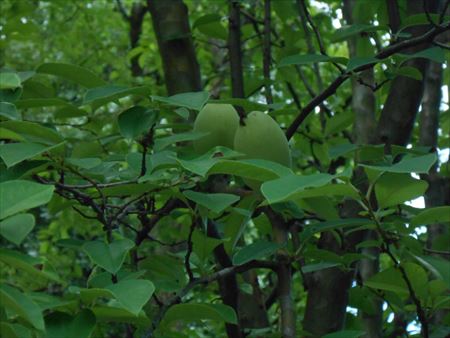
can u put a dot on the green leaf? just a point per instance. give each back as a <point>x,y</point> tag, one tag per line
<point>439,267</point>
<point>9,80</point>
<point>33,132</point>
<point>432,216</point>
<point>132,294</point>
<point>307,59</point>
<point>108,256</point>
<point>166,272</point>
<point>102,95</point>
<point>418,164</point>
<point>357,61</point>
<point>73,73</point>
<point>348,31</point>
<point>19,195</point>
<point>200,311</point>
<point>435,54</point>
<point>14,153</point>
<point>392,189</point>
<point>135,121</point>
<point>119,315</point>
<point>164,142</point>
<point>319,266</point>
<point>314,228</point>
<point>9,111</point>
<point>244,103</point>
<point>85,163</point>
<point>210,25</point>
<point>389,280</point>
<point>38,103</point>
<point>345,334</point>
<point>17,227</point>
<point>255,250</point>
<point>192,100</point>
<point>14,330</point>
<point>214,202</point>
<point>22,305</point>
<point>25,263</point>
<point>286,187</point>
<point>260,170</point>
<point>411,72</point>
<point>60,324</point>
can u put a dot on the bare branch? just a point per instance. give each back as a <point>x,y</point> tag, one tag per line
<point>386,52</point>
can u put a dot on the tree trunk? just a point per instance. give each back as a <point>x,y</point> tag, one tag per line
<point>172,30</point>
<point>136,18</point>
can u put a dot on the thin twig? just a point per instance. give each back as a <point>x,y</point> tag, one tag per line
<point>267,52</point>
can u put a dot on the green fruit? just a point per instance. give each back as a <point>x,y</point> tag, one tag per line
<point>262,138</point>
<point>220,121</point>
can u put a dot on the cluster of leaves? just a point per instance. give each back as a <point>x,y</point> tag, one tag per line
<point>106,211</point>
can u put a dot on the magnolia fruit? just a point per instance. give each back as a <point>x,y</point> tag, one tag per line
<point>220,121</point>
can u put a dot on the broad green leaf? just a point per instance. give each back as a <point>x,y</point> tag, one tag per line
<point>108,256</point>
<point>392,189</point>
<point>19,195</point>
<point>59,324</point>
<point>9,111</point>
<point>9,80</point>
<point>119,315</point>
<point>307,59</point>
<point>192,100</point>
<point>14,153</point>
<point>14,330</point>
<point>10,95</point>
<point>132,294</point>
<point>348,31</point>
<point>260,170</point>
<point>102,95</point>
<point>357,61</point>
<point>135,121</point>
<point>29,265</point>
<point>214,202</point>
<point>411,72</point>
<point>204,245</point>
<point>286,187</point>
<point>345,334</point>
<point>247,105</point>
<point>315,228</point>
<point>164,142</point>
<point>17,227</point>
<point>418,164</point>
<point>210,25</point>
<point>439,267</point>
<point>196,312</point>
<point>38,103</point>
<point>33,132</point>
<point>319,266</point>
<point>166,272</point>
<point>256,250</point>
<point>85,163</point>
<point>432,216</point>
<point>389,280</point>
<point>73,73</point>
<point>435,54</point>
<point>21,304</point>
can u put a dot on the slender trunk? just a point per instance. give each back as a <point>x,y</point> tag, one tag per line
<point>284,288</point>
<point>173,33</point>
<point>234,47</point>
<point>267,58</point>
<point>136,19</point>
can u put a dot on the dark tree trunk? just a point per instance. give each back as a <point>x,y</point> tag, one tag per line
<point>172,30</point>
<point>136,18</point>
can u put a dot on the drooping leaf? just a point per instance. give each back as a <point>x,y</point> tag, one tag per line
<point>215,202</point>
<point>135,121</point>
<point>418,164</point>
<point>59,324</point>
<point>108,256</point>
<point>192,100</point>
<point>17,227</point>
<point>19,195</point>
<point>9,111</point>
<point>132,294</point>
<point>22,305</point>
<point>432,216</point>
<point>256,250</point>
<point>14,153</point>
<point>72,73</point>
<point>196,312</point>
<point>392,189</point>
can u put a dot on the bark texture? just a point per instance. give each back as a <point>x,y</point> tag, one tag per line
<point>172,30</point>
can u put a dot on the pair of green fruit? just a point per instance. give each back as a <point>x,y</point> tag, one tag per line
<point>260,137</point>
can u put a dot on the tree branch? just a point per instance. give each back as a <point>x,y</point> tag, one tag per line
<point>267,52</point>
<point>331,89</point>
